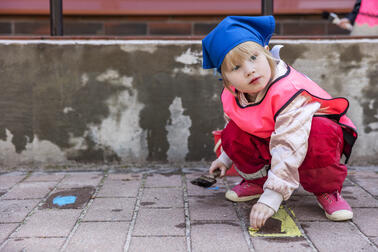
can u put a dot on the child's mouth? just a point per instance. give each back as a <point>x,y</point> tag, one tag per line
<point>254,80</point>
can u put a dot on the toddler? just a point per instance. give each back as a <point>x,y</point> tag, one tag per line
<point>282,130</point>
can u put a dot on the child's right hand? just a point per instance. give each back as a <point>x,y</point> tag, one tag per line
<point>216,164</point>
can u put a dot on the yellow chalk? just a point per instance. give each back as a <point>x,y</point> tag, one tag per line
<point>288,226</point>
<point>251,229</point>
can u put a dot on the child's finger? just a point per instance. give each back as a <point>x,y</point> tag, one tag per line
<point>212,168</point>
<point>253,220</point>
<point>260,221</point>
<point>223,173</point>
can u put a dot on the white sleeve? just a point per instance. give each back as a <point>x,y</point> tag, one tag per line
<point>288,147</point>
<point>223,157</point>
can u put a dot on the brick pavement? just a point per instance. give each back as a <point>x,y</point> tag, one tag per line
<point>162,211</point>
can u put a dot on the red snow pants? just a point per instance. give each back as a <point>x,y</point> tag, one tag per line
<point>321,170</point>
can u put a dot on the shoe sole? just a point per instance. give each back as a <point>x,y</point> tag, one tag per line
<point>229,195</point>
<point>341,215</point>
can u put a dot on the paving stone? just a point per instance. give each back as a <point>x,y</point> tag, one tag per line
<point>6,230</point>
<point>374,240</point>
<point>8,180</point>
<point>301,192</point>
<point>336,236</point>
<point>111,209</point>
<point>119,188</point>
<point>218,237</point>
<point>194,190</point>
<point>158,244</point>
<point>81,179</point>
<point>157,180</point>
<point>162,197</point>
<point>369,185</point>
<point>244,209</point>
<point>49,223</point>
<point>360,173</point>
<point>306,208</point>
<point>15,210</point>
<point>43,176</point>
<point>160,222</point>
<point>211,208</point>
<point>357,197</point>
<point>33,244</point>
<point>367,220</point>
<point>30,190</point>
<point>214,225</point>
<point>366,179</point>
<point>282,244</point>
<point>124,176</point>
<point>99,236</point>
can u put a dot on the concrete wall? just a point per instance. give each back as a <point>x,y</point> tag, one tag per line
<point>63,102</point>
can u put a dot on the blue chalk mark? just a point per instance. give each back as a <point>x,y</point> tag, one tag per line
<point>213,188</point>
<point>64,200</point>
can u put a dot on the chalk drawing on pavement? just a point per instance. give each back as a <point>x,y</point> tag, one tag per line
<point>279,225</point>
<point>74,198</point>
<point>64,200</point>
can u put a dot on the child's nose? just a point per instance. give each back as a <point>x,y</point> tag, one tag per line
<point>249,69</point>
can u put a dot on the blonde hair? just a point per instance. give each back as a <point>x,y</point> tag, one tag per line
<point>241,53</point>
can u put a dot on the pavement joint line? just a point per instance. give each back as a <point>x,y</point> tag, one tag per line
<point>365,237</point>
<point>115,197</point>
<point>135,213</point>
<point>158,236</point>
<point>40,203</point>
<point>355,183</point>
<point>23,199</point>
<point>18,182</point>
<point>147,207</point>
<point>364,207</point>
<point>104,221</point>
<point>186,213</point>
<point>153,187</point>
<point>30,237</point>
<point>311,244</point>
<point>84,212</point>
<point>242,224</point>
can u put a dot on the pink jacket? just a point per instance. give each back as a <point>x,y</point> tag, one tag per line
<point>259,119</point>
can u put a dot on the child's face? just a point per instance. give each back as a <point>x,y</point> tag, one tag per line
<point>251,75</point>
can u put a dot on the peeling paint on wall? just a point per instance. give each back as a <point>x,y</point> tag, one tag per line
<point>67,110</point>
<point>36,151</point>
<point>189,57</point>
<point>121,131</point>
<point>84,79</point>
<point>178,128</point>
<point>370,102</point>
<point>192,61</point>
<point>150,48</point>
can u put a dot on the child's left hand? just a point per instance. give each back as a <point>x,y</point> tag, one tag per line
<point>260,213</point>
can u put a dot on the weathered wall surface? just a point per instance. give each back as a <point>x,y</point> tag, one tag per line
<point>135,101</point>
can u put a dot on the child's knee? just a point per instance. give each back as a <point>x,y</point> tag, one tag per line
<point>321,171</point>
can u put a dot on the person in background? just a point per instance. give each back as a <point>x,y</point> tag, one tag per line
<point>364,18</point>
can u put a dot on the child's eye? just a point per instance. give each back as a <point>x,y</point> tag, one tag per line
<point>235,68</point>
<point>253,57</point>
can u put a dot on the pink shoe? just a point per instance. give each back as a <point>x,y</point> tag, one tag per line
<point>244,191</point>
<point>335,206</point>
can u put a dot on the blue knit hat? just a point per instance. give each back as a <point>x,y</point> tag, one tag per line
<point>231,32</point>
